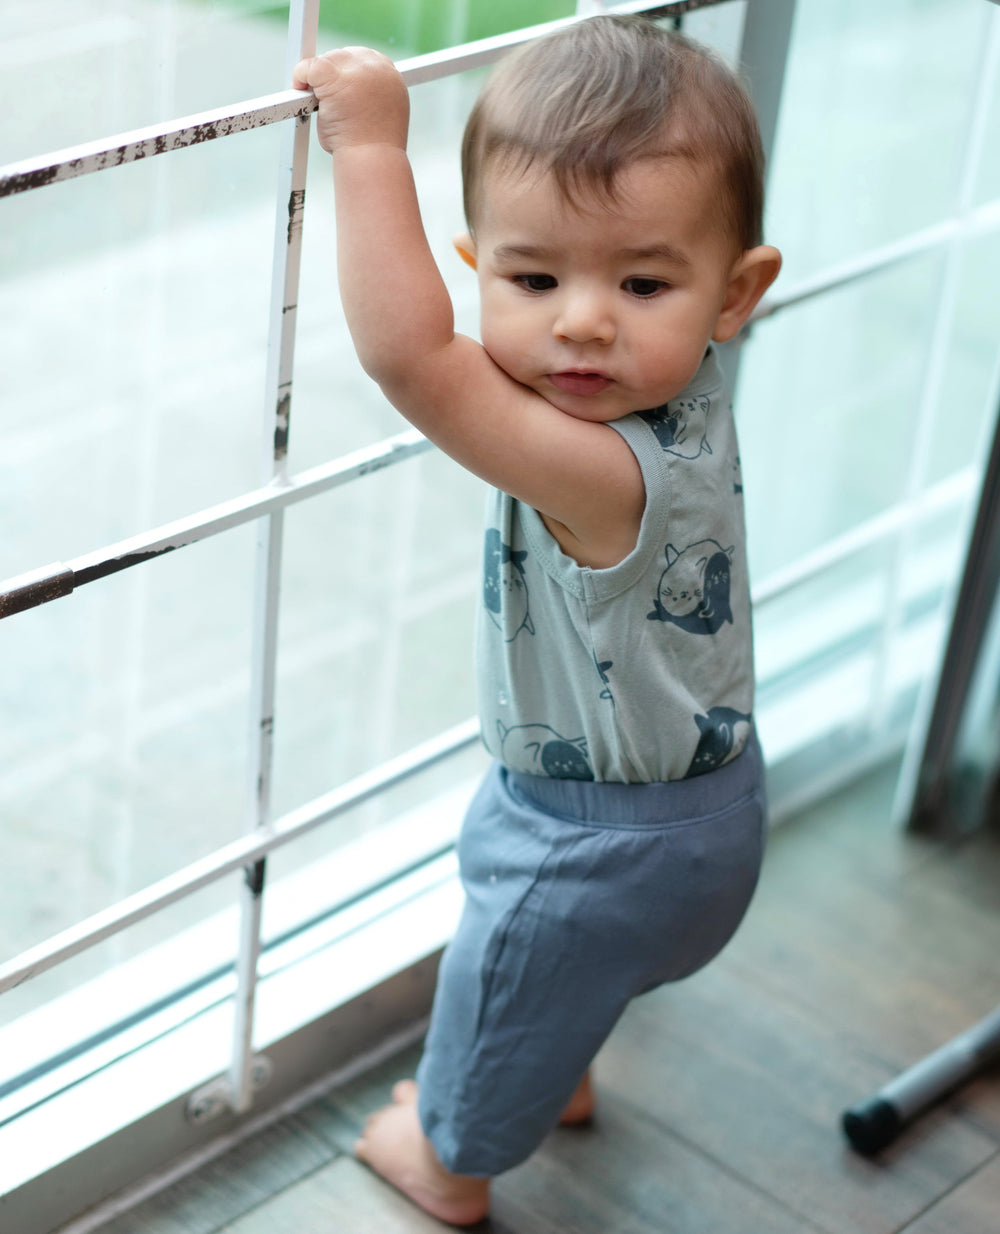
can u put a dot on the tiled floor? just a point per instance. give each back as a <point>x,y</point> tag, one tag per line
<point>719,1098</point>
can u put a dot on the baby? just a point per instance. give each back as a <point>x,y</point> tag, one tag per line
<point>613,197</point>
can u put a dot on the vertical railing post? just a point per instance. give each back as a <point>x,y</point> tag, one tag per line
<point>763,57</point>
<point>302,27</point>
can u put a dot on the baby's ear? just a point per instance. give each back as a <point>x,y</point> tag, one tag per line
<point>465,247</point>
<point>750,277</point>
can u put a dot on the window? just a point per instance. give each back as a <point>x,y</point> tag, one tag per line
<point>142,394</point>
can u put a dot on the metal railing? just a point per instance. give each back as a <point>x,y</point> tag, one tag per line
<point>266,504</point>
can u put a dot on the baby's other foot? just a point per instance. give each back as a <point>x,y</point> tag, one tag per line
<point>394,1145</point>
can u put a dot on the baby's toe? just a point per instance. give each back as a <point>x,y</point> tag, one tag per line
<point>404,1092</point>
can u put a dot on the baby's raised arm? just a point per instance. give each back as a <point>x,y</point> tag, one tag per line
<point>580,476</point>
<point>397,306</point>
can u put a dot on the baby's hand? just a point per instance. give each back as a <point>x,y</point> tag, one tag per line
<point>362,98</point>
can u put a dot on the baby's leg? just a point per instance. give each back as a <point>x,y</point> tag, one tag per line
<point>580,1107</point>
<point>394,1145</point>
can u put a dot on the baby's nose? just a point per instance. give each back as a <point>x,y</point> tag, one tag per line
<point>584,317</point>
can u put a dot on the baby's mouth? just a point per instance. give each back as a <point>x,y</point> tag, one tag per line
<point>574,382</point>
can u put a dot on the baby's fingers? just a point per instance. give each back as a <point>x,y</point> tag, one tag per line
<point>307,72</point>
<point>300,75</point>
<point>316,72</point>
<point>362,98</point>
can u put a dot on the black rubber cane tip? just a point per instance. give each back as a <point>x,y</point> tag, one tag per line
<point>872,1126</point>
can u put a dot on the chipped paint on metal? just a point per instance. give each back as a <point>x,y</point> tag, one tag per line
<point>254,876</point>
<point>112,565</point>
<point>296,207</point>
<point>49,583</point>
<point>269,109</point>
<point>30,180</point>
<point>395,451</point>
<point>281,424</point>
<point>35,588</point>
<point>156,139</point>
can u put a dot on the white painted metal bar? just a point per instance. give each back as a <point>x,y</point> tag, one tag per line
<point>239,854</point>
<point>39,586</point>
<point>47,583</point>
<point>249,849</point>
<point>303,20</point>
<point>219,122</point>
<point>949,494</point>
<point>136,144</point>
<point>246,851</point>
<point>763,56</point>
<point>766,37</point>
<point>975,223</point>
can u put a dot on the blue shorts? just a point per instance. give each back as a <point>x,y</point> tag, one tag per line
<point>579,896</point>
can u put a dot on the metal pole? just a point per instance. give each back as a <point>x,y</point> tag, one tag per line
<point>974,602</point>
<point>934,376</point>
<point>922,789</point>
<point>767,33</point>
<point>873,1124</point>
<point>302,27</point>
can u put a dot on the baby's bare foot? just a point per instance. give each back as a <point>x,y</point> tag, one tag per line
<point>580,1107</point>
<point>394,1145</point>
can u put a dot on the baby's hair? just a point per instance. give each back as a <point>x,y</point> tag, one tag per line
<point>586,102</point>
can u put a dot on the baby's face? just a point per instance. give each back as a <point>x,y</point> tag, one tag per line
<point>602,309</point>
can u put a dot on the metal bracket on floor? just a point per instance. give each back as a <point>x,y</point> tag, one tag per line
<point>216,1097</point>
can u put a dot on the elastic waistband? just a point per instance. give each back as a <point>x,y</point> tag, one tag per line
<point>615,804</point>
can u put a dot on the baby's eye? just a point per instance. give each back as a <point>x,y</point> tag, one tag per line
<point>644,287</point>
<point>535,282</point>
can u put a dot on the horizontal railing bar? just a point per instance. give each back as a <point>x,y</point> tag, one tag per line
<point>234,856</point>
<point>61,578</point>
<point>437,64</point>
<point>253,847</point>
<point>129,147</point>
<point>980,221</point>
<point>50,582</point>
<point>154,139</point>
<point>944,495</point>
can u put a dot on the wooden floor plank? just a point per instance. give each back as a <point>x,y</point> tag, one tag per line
<point>898,957</point>
<point>628,1174</point>
<point>972,1208</point>
<point>759,1087</point>
<point>342,1198</point>
<point>890,939</point>
<point>231,1185</point>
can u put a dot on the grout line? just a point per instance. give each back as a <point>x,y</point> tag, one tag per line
<point>127,1199</point>
<point>948,1190</point>
<point>723,1167</point>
